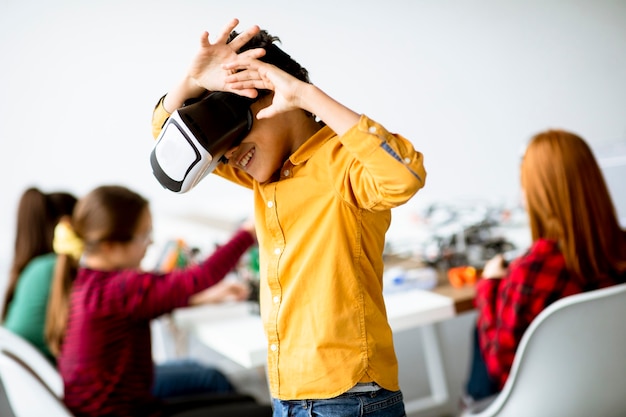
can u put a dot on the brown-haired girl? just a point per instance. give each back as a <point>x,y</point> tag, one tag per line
<point>100,310</point>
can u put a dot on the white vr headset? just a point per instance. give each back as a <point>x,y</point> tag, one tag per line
<point>195,138</point>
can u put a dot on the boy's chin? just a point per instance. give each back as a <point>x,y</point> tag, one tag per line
<point>266,179</point>
<point>260,177</point>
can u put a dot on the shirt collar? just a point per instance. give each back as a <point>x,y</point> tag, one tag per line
<point>312,144</point>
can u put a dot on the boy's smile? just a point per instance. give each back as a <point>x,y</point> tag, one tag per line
<point>244,156</point>
<point>258,159</point>
<point>265,148</point>
<point>270,142</point>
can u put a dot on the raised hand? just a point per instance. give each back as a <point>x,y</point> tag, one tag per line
<point>206,71</point>
<point>206,68</point>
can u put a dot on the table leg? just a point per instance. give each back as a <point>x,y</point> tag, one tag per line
<point>436,374</point>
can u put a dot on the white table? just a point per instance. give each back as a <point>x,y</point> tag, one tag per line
<point>233,330</point>
<point>230,329</point>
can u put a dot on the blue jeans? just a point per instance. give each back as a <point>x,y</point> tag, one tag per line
<point>479,384</point>
<point>184,377</point>
<point>381,403</point>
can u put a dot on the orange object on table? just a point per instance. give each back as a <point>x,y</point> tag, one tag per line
<point>461,275</point>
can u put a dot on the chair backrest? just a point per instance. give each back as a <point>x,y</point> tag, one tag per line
<point>571,361</point>
<point>23,394</point>
<point>23,351</point>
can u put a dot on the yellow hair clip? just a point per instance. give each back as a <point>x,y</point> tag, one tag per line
<point>66,242</point>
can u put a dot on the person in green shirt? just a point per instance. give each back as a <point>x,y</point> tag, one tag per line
<point>26,298</point>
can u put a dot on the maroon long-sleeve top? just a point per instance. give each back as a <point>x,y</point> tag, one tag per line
<point>106,357</point>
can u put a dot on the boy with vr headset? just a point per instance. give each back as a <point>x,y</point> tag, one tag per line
<point>325,179</point>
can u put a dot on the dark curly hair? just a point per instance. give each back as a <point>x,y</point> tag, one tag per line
<point>273,54</point>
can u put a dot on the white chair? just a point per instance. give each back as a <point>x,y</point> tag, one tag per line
<point>23,394</point>
<point>571,361</point>
<point>29,384</point>
<point>18,347</point>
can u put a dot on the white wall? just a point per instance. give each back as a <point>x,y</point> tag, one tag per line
<point>467,81</point>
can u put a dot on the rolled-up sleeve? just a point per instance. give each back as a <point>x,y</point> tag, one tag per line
<point>388,166</point>
<point>159,117</point>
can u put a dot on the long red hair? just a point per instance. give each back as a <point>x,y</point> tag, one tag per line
<point>568,201</point>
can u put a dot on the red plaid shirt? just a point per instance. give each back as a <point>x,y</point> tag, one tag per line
<point>106,357</point>
<point>507,306</point>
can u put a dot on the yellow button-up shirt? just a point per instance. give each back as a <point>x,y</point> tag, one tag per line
<point>321,230</point>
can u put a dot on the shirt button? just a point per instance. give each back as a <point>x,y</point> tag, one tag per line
<point>407,160</point>
<point>372,129</point>
<point>273,347</point>
<point>277,251</point>
<point>270,204</point>
<point>276,299</point>
<point>286,173</point>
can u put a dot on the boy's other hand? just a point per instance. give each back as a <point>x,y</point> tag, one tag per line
<point>255,74</point>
